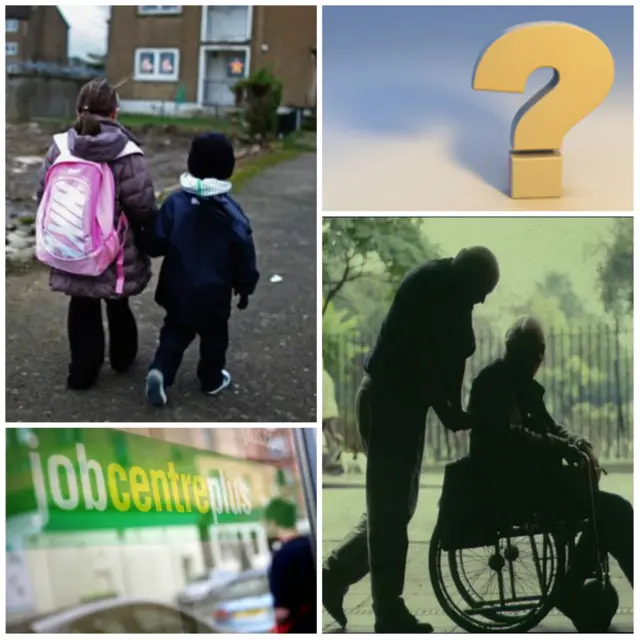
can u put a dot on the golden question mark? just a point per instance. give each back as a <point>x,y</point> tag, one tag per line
<point>583,74</point>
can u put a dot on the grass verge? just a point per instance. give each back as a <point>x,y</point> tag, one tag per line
<point>289,149</point>
<point>198,123</point>
<point>248,168</point>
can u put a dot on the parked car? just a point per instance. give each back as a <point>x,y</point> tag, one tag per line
<point>245,605</point>
<point>116,615</point>
<point>204,587</point>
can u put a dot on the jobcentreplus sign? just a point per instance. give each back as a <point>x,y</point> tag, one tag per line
<point>87,485</point>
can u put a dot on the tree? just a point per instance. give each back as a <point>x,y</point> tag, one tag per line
<point>559,286</point>
<point>261,95</point>
<point>546,307</point>
<point>353,248</point>
<point>616,270</point>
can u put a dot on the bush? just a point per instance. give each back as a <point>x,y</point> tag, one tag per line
<point>261,95</point>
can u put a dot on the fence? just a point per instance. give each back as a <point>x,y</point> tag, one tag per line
<point>32,92</point>
<point>588,376</point>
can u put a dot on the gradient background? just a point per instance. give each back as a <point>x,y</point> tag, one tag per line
<point>399,112</point>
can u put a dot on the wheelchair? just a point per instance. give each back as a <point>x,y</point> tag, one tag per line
<point>494,572</point>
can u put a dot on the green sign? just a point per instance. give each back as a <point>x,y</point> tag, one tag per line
<point>89,479</point>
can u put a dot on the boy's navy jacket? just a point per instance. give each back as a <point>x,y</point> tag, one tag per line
<point>209,255</point>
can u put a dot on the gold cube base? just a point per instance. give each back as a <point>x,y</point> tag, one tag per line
<point>536,175</point>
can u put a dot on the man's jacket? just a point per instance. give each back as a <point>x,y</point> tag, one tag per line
<point>512,429</point>
<point>426,336</point>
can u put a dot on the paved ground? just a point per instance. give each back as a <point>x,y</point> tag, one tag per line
<point>344,500</point>
<point>272,356</point>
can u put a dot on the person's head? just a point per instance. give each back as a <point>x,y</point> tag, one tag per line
<point>280,517</point>
<point>525,345</point>
<point>96,98</point>
<point>477,272</point>
<point>211,156</point>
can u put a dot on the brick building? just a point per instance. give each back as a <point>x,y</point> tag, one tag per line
<point>36,34</point>
<point>193,55</point>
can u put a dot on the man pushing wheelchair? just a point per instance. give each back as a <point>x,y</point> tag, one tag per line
<point>418,363</point>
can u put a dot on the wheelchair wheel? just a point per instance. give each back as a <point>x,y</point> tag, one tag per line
<point>504,588</point>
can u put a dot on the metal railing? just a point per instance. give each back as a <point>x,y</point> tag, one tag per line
<point>587,374</point>
<point>55,69</point>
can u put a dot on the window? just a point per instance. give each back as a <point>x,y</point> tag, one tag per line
<point>156,65</point>
<point>228,545</point>
<point>11,26</point>
<point>250,587</point>
<point>138,618</point>
<point>113,620</point>
<point>149,10</point>
<point>159,619</point>
<point>255,545</point>
<point>277,446</point>
<point>236,65</point>
<point>11,49</point>
<point>209,439</point>
<point>228,24</point>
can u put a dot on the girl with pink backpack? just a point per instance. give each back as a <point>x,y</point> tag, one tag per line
<point>95,196</point>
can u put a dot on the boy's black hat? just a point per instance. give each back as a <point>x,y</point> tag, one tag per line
<point>211,156</point>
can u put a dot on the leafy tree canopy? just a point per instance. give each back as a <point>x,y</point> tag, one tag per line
<point>354,248</point>
<point>616,270</point>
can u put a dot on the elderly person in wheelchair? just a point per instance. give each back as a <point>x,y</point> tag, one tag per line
<point>528,492</point>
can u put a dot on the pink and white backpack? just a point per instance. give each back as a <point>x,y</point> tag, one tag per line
<point>76,228</point>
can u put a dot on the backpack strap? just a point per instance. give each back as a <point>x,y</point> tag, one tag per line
<point>62,142</point>
<point>130,149</point>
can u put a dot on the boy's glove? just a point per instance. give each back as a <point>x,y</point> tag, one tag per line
<point>243,303</point>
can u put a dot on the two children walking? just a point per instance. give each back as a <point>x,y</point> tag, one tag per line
<point>98,224</point>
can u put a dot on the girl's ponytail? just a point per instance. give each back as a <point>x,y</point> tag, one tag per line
<point>96,98</point>
<point>87,125</point>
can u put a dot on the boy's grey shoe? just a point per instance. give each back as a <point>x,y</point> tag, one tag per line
<point>155,388</point>
<point>226,381</point>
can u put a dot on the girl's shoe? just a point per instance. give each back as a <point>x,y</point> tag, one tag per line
<point>226,381</point>
<point>155,390</point>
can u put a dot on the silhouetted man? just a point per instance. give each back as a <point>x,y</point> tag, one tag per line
<point>417,362</point>
<point>518,450</point>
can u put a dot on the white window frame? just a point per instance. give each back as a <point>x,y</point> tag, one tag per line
<point>156,76</point>
<point>13,23</point>
<point>203,23</point>
<point>219,47</point>
<point>14,46</point>
<point>151,10</point>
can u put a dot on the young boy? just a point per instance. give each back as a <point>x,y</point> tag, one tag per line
<point>292,575</point>
<point>209,256</point>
